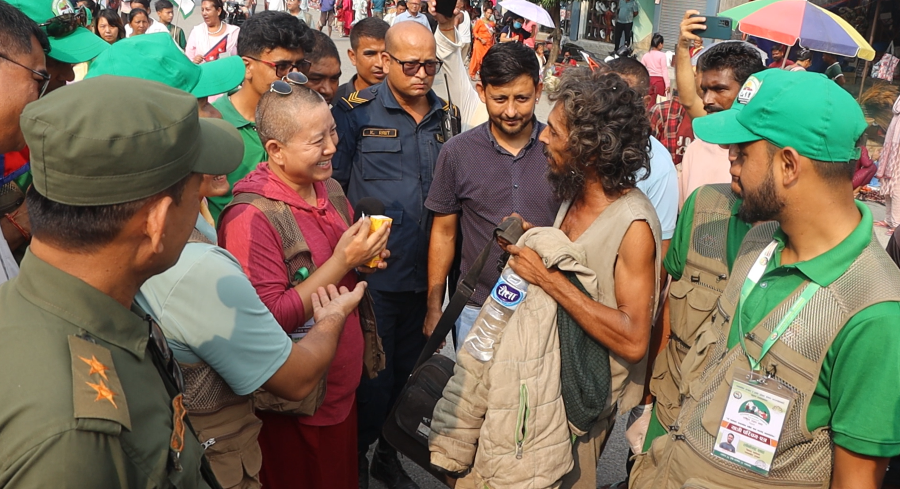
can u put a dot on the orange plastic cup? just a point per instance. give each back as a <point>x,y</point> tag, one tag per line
<point>377,222</point>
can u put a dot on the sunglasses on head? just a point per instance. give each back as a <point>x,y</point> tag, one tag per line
<point>65,24</point>
<point>410,68</point>
<point>285,85</point>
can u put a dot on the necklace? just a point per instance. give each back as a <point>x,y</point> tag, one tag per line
<point>221,26</point>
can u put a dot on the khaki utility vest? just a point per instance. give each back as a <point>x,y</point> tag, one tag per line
<point>693,298</point>
<point>804,459</point>
<point>224,422</point>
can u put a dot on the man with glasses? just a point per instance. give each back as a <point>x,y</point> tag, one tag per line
<point>25,78</point>
<point>272,45</point>
<point>99,402</point>
<point>70,43</point>
<point>412,13</point>
<point>390,139</point>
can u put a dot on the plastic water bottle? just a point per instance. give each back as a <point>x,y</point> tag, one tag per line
<point>506,296</point>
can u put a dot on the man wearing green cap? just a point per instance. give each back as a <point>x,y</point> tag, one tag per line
<point>803,352</point>
<point>96,401</point>
<point>70,43</point>
<point>162,61</point>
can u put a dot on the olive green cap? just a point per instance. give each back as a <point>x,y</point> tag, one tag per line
<point>85,152</point>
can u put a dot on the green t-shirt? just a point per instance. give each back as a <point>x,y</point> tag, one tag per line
<point>860,378</point>
<point>834,71</point>
<point>676,257</point>
<point>254,153</point>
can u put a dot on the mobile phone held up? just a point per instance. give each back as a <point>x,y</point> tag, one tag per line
<point>445,7</point>
<point>716,28</point>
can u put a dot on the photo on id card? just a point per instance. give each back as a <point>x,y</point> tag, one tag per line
<point>752,422</point>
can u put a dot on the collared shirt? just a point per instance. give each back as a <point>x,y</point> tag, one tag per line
<point>383,153</point>
<point>670,124</point>
<point>211,313</point>
<point>628,9</point>
<point>676,257</point>
<point>834,71</point>
<point>254,152</point>
<point>420,18</point>
<point>59,432</point>
<point>861,371</point>
<point>483,182</point>
<point>344,91</point>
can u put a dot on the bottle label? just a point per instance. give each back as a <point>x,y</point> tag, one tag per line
<point>507,295</point>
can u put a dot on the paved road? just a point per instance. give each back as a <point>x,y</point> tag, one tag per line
<point>611,467</point>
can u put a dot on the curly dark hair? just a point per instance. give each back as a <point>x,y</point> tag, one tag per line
<point>608,127</point>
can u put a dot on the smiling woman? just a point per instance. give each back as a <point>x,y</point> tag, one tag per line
<point>213,39</point>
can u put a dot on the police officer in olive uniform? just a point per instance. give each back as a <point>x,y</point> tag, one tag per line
<point>90,390</point>
<point>390,138</point>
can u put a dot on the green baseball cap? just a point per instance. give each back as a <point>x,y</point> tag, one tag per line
<point>803,110</point>
<point>85,153</point>
<point>79,46</point>
<point>161,60</point>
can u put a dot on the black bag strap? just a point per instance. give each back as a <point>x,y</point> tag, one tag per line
<point>510,230</point>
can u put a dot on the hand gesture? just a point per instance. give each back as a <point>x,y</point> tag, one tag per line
<point>336,302</point>
<point>528,265</point>
<point>356,247</point>
<point>688,25</point>
<point>443,21</point>
<point>380,266</point>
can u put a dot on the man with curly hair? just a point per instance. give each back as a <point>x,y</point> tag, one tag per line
<point>596,142</point>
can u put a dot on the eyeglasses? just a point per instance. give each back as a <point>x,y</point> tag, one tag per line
<point>45,77</point>
<point>65,24</point>
<point>282,68</point>
<point>283,86</point>
<point>160,347</point>
<point>410,68</point>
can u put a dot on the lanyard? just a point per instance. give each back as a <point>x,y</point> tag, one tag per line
<point>753,277</point>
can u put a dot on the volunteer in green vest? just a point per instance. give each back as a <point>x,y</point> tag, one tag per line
<point>805,350</point>
<point>92,395</point>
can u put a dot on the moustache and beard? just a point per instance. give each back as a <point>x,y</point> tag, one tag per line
<point>566,180</point>
<point>761,204</point>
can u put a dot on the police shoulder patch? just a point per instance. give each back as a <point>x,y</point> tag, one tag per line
<point>96,388</point>
<point>357,98</point>
<point>448,107</point>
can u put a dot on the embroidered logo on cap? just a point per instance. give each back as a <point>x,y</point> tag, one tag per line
<point>749,90</point>
<point>60,7</point>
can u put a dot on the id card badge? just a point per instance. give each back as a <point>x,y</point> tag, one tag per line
<point>753,419</point>
<point>299,333</point>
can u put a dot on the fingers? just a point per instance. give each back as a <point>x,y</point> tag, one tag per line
<point>333,292</point>
<point>513,250</point>
<point>316,301</point>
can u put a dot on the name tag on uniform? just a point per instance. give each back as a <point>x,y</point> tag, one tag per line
<point>752,423</point>
<point>379,133</point>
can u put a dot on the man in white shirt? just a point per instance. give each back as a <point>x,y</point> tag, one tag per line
<point>412,13</point>
<point>464,27</point>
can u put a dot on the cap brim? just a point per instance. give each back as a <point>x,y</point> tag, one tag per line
<point>723,128</point>
<point>221,149</point>
<point>78,47</point>
<point>219,76</point>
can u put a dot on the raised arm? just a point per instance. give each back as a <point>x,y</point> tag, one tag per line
<point>684,72</point>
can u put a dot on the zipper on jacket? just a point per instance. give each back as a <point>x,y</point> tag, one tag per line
<point>780,360</point>
<point>212,441</point>
<point>521,430</point>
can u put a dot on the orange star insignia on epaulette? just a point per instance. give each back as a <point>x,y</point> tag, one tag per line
<point>103,392</point>
<point>96,366</point>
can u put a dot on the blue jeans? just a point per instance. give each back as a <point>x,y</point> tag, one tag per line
<point>464,323</point>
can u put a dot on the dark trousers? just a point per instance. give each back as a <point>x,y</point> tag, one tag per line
<point>400,317</point>
<point>620,30</point>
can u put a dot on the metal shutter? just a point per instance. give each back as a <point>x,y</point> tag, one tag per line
<point>670,14</point>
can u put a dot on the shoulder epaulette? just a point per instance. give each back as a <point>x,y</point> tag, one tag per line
<point>358,98</point>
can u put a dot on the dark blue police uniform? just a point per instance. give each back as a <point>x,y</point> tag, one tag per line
<point>383,153</point>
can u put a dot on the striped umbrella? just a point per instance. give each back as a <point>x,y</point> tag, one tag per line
<point>789,21</point>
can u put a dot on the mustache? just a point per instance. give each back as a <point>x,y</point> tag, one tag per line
<point>712,109</point>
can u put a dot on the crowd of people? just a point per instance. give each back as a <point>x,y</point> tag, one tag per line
<point>199,291</point>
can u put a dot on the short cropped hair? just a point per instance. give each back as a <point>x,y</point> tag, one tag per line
<point>16,31</point>
<point>741,58</point>
<point>323,47</point>
<point>145,3</point>
<point>607,124</point>
<point>269,30</point>
<point>87,228</point>
<point>504,62</point>
<point>277,116</point>
<point>628,67</point>
<point>371,27</point>
<point>162,5</point>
